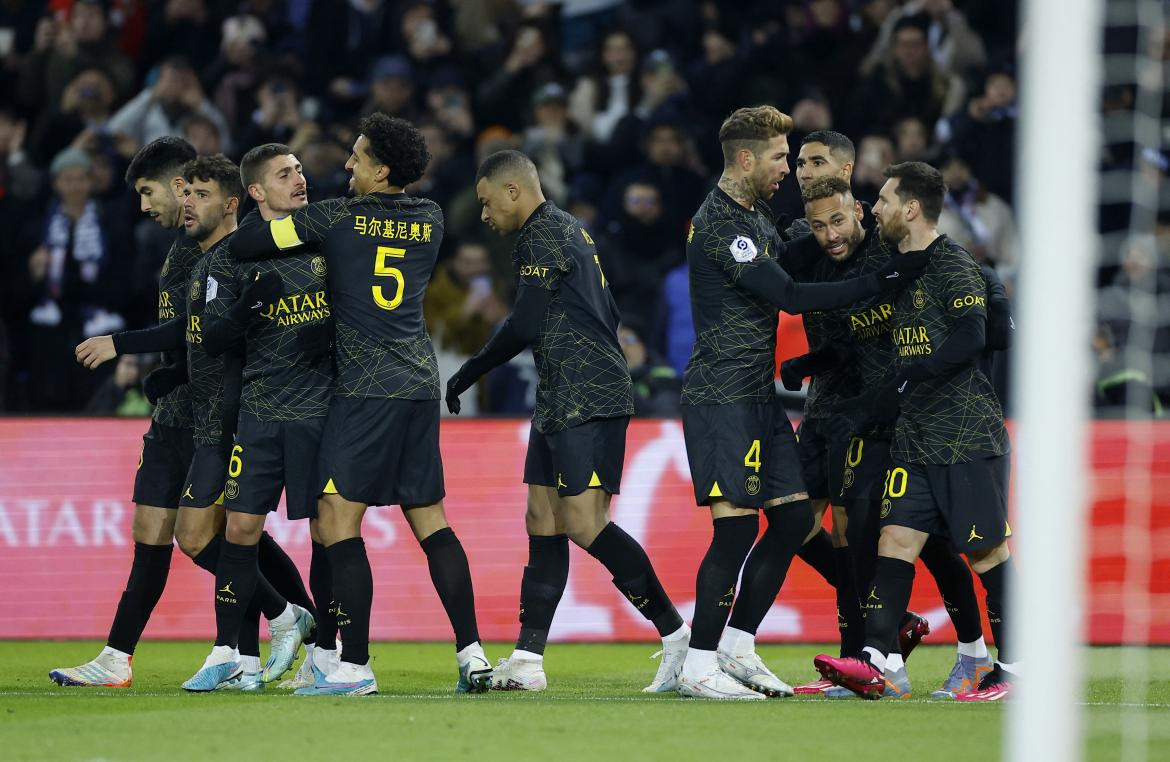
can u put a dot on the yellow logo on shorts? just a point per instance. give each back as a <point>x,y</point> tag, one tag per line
<point>919,298</point>
<point>231,489</point>
<point>847,477</point>
<point>887,506</point>
<point>752,485</point>
<point>317,265</point>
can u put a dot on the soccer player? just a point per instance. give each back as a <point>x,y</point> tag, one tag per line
<point>156,175</point>
<point>739,442</point>
<point>584,400</point>
<point>950,447</point>
<point>279,309</point>
<point>211,194</point>
<point>380,445</point>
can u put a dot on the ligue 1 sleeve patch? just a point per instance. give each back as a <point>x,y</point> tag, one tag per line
<point>743,249</point>
<point>212,289</point>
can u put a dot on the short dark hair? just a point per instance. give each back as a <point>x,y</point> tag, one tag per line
<point>252,165</point>
<point>751,128</point>
<point>825,187</point>
<point>505,162</point>
<point>834,141</point>
<point>220,169</point>
<point>920,182</point>
<point>160,160</point>
<point>398,144</point>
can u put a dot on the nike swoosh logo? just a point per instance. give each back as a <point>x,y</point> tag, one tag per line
<point>894,274</point>
<point>902,388</point>
<point>257,305</point>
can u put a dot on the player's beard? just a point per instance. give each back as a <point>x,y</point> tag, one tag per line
<point>892,231</point>
<point>761,184</point>
<point>202,229</point>
<point>852,242</point>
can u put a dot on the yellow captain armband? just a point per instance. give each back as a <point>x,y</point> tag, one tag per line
<point>284,233</point>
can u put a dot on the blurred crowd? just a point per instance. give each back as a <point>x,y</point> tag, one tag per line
<point>618,103</point>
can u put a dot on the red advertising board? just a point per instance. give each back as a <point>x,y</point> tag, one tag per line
<point>66,545</point>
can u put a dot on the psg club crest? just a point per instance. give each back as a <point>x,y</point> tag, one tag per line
<point>317,264</point>
<point>196,289</point>
<point>886,506</point>
<point>919,299</point>
<point>752,485</point>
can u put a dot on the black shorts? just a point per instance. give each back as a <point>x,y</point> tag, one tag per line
<point>965,502</point>
<point>820,445</point>
<point>744,452</point>
<point>577,458</point>
<point>867,463</point>
<point>162,466</point>
<point>205,478</point>
<point>269,456</point>
<point>381,451</point>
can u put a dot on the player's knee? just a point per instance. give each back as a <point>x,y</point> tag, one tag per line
<point>153,526</point>
<point>244,529</point>
<point>191,541</point>
<point>986,560</point>
<point>899,542</point>
<point>584,520</point>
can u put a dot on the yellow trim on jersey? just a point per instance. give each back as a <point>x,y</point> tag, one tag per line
<point>594,481</point>
<point>330,488</point>
<point>284,233</point>
<point>715,491</point>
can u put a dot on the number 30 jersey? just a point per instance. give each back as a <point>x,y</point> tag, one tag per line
<point>380,251</point>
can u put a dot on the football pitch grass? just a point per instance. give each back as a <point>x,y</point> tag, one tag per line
<point>593,709</point>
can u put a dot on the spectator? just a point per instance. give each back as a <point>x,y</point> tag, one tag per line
<point>637,251</point>
<point>391,88</point>
<point>71,287</point>
<point>531,62</point>
<point>601,99</point>
<point>86,105</point>
<point>874,154</point>
<point>184,28</point>
<point>667,161</point>
<point>657,387</point>
<point>985,132</point>
<point>424,42</point>
<point>553,142</point>
<point>343,41</point>
<point>980,221</point>
<point>277,116</point>
<point>19,177</point>
<point>912,140</point>
<point>158,110</point>
<point>65,47</point>
<point>908,82</point>
<point>953,44</point>
<point>202,132</point>
<point>830,48</point>
<point>121,393</point>
<point>233,78</point>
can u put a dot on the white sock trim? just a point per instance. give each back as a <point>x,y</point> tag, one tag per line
<point>876,658</point>
<point>976,649</point>
<point>286,617</point>
<point>681,633</point>
<point>519,654</point>
<point>735,641</point>
<point>698,663</point>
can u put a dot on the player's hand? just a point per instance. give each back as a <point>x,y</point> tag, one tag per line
<point>456,385</point>
<point>902,269</point>
<point>95,350</point>
<point>792,373</point>
<point>163,380</point>
<point>262,290</point>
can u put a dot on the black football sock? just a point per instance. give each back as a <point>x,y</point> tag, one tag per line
<point>953,578</point>
<point>731,540</point>
<point>885,602</point>
<point>249,642</point>
<point>148,577</point>
<point>208,558</point>
<point>321,583</point>
<point>862,533</point>
<point>451,576</point>
<point>353,591</point>
<point>235,583</point>
<point>767,566</point>
<point>818,553</point>
<point>850,623</point>
<point>541,589</point>
<point>634,576</point>
<point>282,572</point>
<point>996,581</point>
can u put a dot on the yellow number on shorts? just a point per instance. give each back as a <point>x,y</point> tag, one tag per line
<point>752,459</point>
<point>235,464</point>
<point>381,268</point>
<point>898,491</point>
<point>856,444</point>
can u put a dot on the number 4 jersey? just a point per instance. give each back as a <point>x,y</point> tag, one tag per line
<point>380,250</point>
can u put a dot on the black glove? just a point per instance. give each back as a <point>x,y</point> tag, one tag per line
<point>261,291</point>
<point>456,385</point>
<point>882,404</point>
<point>793,372</point>
<point>163,380</point>
<point>902,269</point>
<point>315,339</point>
